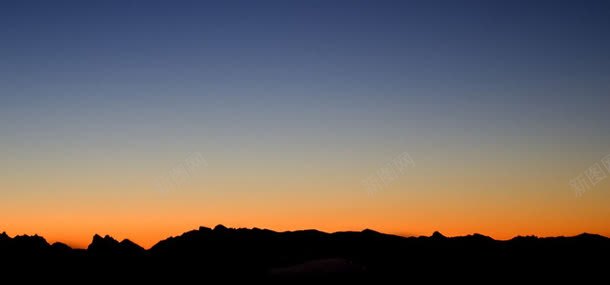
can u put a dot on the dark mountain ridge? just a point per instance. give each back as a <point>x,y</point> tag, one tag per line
<point>235,253</point>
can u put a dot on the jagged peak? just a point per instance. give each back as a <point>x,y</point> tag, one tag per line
<point>33,237</point>
<point>438,235</point>
<point>106,237</point>
<point>590,236</point>
<point>220,227</point>
<point>369,231</point>
<point>61,245</point>
<point>126,243</point>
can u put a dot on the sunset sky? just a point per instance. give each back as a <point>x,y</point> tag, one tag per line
<point>146,119</point>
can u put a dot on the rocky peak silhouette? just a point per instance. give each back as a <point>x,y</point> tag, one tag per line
<point>438,236</point>
<point>107,245</point>
<point>230,253</point>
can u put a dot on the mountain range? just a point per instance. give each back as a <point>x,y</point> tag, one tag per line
<point>239,253</point>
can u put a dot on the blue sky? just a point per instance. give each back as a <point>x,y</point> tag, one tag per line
<point>128,88</point>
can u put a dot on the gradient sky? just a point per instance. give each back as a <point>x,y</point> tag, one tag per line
<point>293,104</point>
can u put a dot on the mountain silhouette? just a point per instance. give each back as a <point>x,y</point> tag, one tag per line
<point>239,253</point>
<point>108,246</point>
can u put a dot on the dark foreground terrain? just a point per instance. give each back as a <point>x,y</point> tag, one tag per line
<point>206,255</point>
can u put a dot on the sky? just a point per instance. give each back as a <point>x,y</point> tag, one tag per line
<point>146,119</point>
